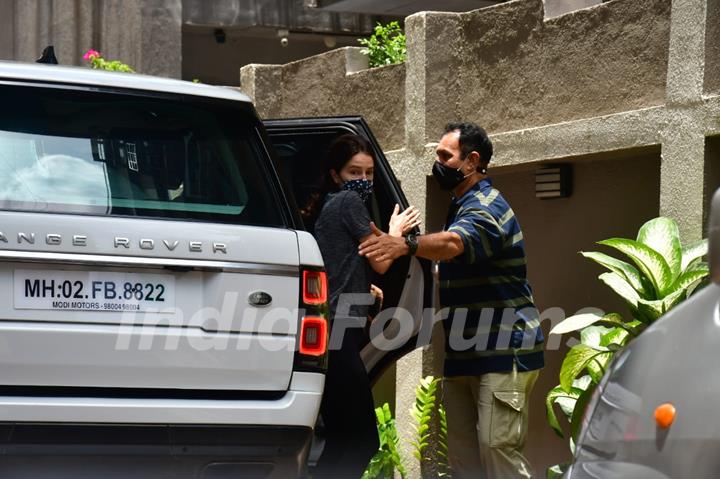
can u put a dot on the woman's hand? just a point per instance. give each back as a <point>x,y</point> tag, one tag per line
<point>401,223</point>
<point>376,293</point>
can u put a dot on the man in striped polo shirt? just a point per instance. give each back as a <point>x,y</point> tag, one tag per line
<point>493,341</point>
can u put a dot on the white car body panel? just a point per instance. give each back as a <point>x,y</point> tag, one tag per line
<point>298,407</point>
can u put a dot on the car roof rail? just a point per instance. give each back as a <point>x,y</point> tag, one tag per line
<point>714,238</point>
<point>48,56</point>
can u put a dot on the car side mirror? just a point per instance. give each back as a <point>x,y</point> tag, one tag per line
<point>714,238</point>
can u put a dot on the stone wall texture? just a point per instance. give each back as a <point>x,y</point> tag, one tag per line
<point>145,34</point>
<point>712,48</point>
<point>323,86</point>
<point>518,71</point>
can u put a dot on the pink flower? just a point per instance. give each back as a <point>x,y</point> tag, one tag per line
<point>90,54</point>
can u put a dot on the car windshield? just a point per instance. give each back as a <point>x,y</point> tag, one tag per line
<point>89,152</point>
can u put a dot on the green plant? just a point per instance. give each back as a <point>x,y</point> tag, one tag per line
<point>386,46</point>
<point>661,274</point>
<point>443,459</point>
<point>96,61</point>
<point>387,459</point>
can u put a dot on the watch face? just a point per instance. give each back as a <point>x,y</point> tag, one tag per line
<point>412,242</point>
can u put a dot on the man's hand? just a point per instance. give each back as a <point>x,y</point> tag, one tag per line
<point>381,246</point>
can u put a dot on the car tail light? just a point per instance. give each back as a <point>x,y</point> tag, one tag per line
<point>314,287</point>
<point>313,336</point>
<point>313,328</point>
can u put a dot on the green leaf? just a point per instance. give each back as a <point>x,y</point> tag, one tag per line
<point>649,262</point>
<point>583,382</point>
<point>622,288</point>
<point>688,278</point>
<point>579,412</point>
<point>596,367</point>
<point>698,266</point>
<point>663,235</point>
<point>554,396</point>
<point>614,320</point>
<point>592,335</point>
<point>694,288</point>
<point>618,336</point>
<point>651,310</point>
<point>575,362</point>
<point>674,299</point>
<point>626,270</point>
<point>574,323</point>
<point>557,471</point>
<point>693,252</point>
<point>567,404</point>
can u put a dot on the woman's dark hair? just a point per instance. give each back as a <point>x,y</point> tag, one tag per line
<point>340,151</point>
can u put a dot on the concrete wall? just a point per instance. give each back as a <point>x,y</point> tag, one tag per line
<point>622,48</point>
<point>712,48</point>
<point>145,34</point>
<point>330,85</point>
<point>612,196</point>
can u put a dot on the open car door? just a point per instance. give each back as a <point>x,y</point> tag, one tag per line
<point>300,147</point>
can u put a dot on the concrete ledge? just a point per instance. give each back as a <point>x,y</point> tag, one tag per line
<point>332,84</point>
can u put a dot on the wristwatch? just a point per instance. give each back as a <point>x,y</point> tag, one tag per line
<point>412,243</point>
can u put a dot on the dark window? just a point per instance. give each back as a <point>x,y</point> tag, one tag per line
<point>102,153</point>
<point>302,159</point>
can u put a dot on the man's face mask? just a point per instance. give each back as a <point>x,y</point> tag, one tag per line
<point>363,187</point>
<point>448,178</point>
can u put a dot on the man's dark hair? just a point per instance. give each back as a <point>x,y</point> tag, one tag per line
<point>472,138</point>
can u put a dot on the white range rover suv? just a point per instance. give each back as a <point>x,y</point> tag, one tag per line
<point>162,308</point>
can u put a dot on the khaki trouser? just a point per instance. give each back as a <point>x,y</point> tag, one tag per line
<point>487,424</point>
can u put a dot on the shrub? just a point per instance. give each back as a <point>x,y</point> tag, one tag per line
<point>426,409</point>
<point>96,61</point>
<point>386,46</point>
<point>663,273</point>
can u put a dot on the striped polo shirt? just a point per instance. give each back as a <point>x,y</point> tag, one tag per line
<point>492,321</point>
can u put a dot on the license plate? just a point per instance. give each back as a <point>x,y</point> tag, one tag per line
<point>93,291</point>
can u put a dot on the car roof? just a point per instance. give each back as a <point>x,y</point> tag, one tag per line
<point>84,76</point>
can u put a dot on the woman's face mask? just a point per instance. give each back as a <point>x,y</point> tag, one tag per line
<point>357,175</point>
<point>363,187</point>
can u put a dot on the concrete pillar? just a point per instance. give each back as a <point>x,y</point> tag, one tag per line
<point>433,45</point>
<point>88,33</point>
<point>683,142</point>
<point>27,36</point>
<point>7,30</point>
<point>263,84</point>
<point>63,27</point>
<point>686,60</point>
<point>161,38</point>
<point>145,34</point>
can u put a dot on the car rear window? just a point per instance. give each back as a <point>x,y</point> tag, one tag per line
<point>107,153</point>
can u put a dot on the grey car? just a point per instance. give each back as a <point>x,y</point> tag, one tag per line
<point>673,364</point>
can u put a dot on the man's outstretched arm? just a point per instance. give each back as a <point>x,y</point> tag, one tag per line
<point>436,246</point>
